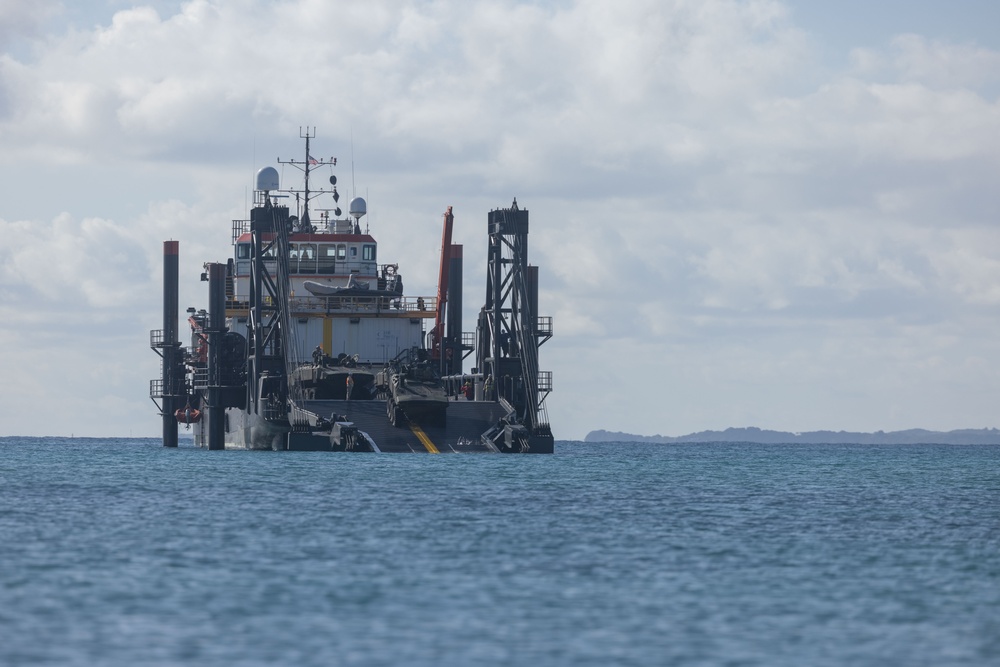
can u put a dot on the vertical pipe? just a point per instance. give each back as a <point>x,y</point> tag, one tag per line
<point>495,300</point>
<point>172,372</point>
<point>531,287</point>
<point>531,339</point>
<point>255,349</point>
<point>216,336</point>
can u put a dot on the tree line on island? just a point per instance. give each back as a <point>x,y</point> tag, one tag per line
<point>985,436</point>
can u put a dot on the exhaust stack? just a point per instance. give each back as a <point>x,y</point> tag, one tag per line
<point>173,373</point>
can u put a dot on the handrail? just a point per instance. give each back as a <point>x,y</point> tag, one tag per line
<point>308,269</point>
<point>414,306</point>
<point>240,227</point>
<point>158,389</point>
<point>545,381</point>
<point>200,377</point>
<point>157,338</point>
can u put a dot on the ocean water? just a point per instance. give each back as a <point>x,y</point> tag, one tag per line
<point>121,552</point>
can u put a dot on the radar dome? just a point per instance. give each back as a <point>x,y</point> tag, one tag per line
<point>267,179</point>
<point>358,208</point>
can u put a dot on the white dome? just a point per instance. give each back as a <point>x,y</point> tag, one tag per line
<point>267,179</point>
<point>358,208</point>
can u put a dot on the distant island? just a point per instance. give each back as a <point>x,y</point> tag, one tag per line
<point>917,436</point>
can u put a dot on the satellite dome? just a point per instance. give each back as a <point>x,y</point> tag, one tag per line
<point>267,179</point>
<point>358,208</point>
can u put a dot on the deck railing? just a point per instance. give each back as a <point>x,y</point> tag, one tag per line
<point>412,306</point>
<point>157,388</point>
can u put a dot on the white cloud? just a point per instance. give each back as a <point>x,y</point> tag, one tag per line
<point>934,63</point>
<point>21,19</point>
<point>710,206</point>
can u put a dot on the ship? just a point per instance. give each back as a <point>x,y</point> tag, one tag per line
<point>311,343</point>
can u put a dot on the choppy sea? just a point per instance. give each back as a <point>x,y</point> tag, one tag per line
<point>121,552</point>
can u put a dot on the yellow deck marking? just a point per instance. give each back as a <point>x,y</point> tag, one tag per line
<point>327,336</point>
<point>424,440</point>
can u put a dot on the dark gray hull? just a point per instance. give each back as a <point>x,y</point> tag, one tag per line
<point>467,422</point>
<point>472,426</point>
<point>249,431</point>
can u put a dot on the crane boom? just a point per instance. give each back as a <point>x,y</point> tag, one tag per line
<point>437,335</point>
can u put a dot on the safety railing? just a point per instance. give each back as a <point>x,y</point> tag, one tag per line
<point>199,378</point>
<point>157,388</point>
<point>544,381</point>
<point>419,306</point>
<point>275,411</point>
<point>240,227</point>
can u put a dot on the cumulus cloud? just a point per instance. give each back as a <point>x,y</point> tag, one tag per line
<point>711,206</point>
<point>930,62</point>
<point>22,19</point>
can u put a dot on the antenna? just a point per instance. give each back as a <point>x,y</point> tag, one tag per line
<point>307,166</point>
<point>354,190</point>
<point>307,135</point>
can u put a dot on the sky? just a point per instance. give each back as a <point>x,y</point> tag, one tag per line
<point>780,214</point>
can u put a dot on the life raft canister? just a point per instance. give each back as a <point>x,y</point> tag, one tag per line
<point>188,415</point>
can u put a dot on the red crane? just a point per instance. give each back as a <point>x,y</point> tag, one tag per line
<point>437,335</point>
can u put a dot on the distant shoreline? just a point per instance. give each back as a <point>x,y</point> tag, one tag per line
<point>985,436</point>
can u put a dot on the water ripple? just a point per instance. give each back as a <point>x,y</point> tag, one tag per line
<point>123,553</point>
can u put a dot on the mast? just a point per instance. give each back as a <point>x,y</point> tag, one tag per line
<point>307,166</point>
<point>307,135</point>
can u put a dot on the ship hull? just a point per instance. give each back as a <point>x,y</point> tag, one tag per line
<point>467,422</point>
<point>300,288</point>
<point>248,431</point>
<point>471,427</point>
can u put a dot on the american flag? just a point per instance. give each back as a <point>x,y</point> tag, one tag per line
<point>313,160</point>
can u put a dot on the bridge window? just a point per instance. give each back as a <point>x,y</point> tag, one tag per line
<point>243,251</point>
<point>327,258</point>
<point>307,258</point>
<point>341,251</point>
<point>368,253</point>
